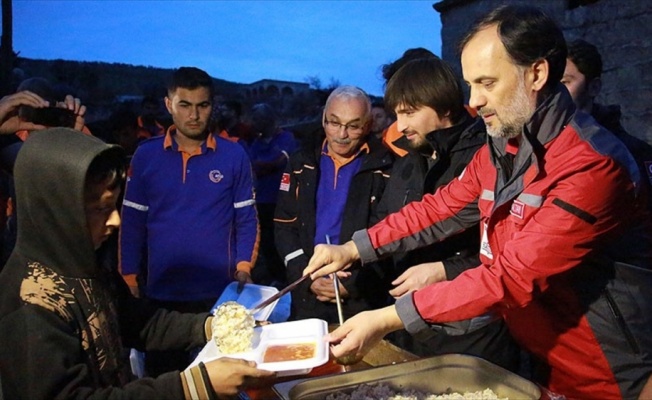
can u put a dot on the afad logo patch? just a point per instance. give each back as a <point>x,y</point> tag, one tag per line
<point>285,182</point>
<point>518,209</point>
<point>215,176</point>
<point>648,169</point>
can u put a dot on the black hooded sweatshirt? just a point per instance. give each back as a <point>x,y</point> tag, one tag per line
<point>65,318</point>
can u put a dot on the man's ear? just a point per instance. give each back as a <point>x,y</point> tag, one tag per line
<point>594,87</point>
<point>540,71</point>
<point>168,104</point>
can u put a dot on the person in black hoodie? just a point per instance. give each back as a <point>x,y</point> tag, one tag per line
<point>440,137</point>
<point>66,315</point>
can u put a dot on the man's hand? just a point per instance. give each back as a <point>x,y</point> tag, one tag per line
<point>228,375</point>
<point>418,277</point>
<point>242,278</point>
<point>10,122</point>
<point>329,258</point>
<point>75,105</point>
<point>324,289</point>
<point>360,333</point>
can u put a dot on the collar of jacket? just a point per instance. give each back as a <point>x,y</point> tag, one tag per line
<point>376,156</point>
<point>547,122</point>
<point>443,141</point>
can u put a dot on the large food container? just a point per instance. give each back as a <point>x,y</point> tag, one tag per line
<point>434,375</point>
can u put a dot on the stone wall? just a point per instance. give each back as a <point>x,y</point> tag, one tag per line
<point>621,29</point>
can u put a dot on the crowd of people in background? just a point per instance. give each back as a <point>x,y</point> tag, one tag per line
<point>513,226</point>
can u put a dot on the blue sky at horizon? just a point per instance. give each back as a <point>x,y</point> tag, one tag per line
<point>239,41</point>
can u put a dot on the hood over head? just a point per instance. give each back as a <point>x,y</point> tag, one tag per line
<point>50,174</point>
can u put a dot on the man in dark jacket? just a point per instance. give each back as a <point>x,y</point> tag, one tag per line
<point>65,312</point>
<point>583,79</point>
<point>441,138</point>
<point>330,192</point>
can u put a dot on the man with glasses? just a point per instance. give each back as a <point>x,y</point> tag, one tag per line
<point>325,195</point>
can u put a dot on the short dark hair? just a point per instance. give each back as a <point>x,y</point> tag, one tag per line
<point>264,110</point>
<point>586,57</point>
<point>410,54</point>
<point>528,35</point>
<point>109,167</point>
<point>190,78</point>
<point>40,86</point>
<point>426,82</point>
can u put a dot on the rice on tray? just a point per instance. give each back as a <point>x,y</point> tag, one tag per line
<point>383,392</point>
<point>233,328</point>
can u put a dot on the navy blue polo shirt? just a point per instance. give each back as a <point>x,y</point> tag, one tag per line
<point>332,192</point>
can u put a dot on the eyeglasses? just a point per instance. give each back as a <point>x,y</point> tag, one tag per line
<point>335,126</point>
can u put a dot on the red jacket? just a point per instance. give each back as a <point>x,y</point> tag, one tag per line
<point>559,238</point>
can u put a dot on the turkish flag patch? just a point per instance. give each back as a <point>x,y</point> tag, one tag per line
<point>285,182</point>
<point>518,209</point>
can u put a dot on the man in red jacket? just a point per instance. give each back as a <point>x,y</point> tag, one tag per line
<point>565,248</point>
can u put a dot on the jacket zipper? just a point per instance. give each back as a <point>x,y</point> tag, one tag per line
<point>620,320</point>
<point>407,193</point>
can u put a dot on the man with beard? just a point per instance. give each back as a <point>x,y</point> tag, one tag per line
<point>565,246</point>
<point>327,193</point>
<point>188,211</point>
<point>440,138</point>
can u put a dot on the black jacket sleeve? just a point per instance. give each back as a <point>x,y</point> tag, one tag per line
<point>147,327</point>
<point>39,340</point>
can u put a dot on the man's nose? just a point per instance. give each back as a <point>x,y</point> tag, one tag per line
<point>194,113</point>
<point>343,132</point>
<point>401,124</point>
<point>476,99</point>
<point>114,220</point>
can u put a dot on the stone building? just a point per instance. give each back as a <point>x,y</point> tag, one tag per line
<point>273,88</point>
<point>621,29</point>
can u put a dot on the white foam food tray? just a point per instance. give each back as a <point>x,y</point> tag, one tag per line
<point>251,296</point>
<point>285,333</point>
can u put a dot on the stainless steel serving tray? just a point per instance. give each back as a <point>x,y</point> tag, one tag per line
<point>436,375</point>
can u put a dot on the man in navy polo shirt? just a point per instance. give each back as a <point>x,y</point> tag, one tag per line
<point>329,192</point>
<point>189,218</point>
